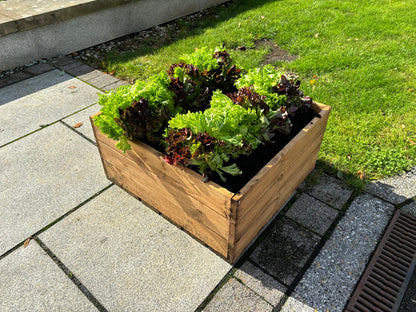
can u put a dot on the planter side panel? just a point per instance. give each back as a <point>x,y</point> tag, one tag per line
<point>269,190</point>
<point>202,209</point>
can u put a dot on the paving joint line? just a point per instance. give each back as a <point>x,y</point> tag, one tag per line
<point>55,221</point>
<point>370,257</point>
<point>316,251</point>
<point>259,295</point>
<point>265,272</point>
<point>216,289</point>
<point>79,133</point>
<point>43,126</point>
<point>84,81</point>
<point>71,276</point>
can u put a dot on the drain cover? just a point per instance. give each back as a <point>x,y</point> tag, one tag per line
<point>383,284</point>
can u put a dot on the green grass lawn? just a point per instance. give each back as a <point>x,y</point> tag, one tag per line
<point>358,57</point>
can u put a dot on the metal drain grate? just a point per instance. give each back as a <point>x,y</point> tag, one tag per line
<point>384,282</point>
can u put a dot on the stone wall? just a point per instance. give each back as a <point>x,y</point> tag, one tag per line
<point>65,30</point>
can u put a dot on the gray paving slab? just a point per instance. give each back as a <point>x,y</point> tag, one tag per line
<point>330,280</point>
<point>26,105</point>
<point>43,176</point>
<point>285,250</point>
<point>330,191</point>
<point>83,117</point>
<point>132,259</point>
<point>39,69</point>
<point>63,60</point>
<point>81,70</point>
<point>261,283</point>
<point>87,75</point>
<point>293,305</point>
<point>8,80</point>
<point>114,85</point>
<point>395,189</point>
<point>235,297</point>
<point>103,80</point>
<point>312,213</point>
<point>410,208</point>
<point>31,281</point>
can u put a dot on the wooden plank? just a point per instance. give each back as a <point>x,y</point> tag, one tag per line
<point>211,194</point>
<point>225,221</point>
<point>188,213</point>
<point>261,198</point>
<point>277,194</point>
<point>252,223</point>
<point>231,256</point>
<point>269,174</point>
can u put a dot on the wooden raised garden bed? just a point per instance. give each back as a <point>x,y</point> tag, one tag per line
<point>226,222</point>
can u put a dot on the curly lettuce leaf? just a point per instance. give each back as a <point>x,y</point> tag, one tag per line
<point>263,79</point>
<point>202,59</point>
<point>155,91</point>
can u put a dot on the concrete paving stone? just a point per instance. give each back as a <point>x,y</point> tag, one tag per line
<point>261,283</point>
<point>285,250</point>
<point>83,117</point>
<point>43,176</point>
<point>131,258</point>
<point>293,305</point>
<point>395,189</point>
<point>31,281</point>
<point>235,297</point>
<point>81,71</point>
<point>16,77</point>
<point>62,61</point>
<point>39,69</point>
<point>330,280</point>
<point>5,19</point>
<point>88,74</point>
<point>312,213</point>
<point>31,8</point>
<point>73,65</point>
<point>410,209</point>
<point>115,85</point>
<point>103,80</point>
<point>44,99</point>
<point>330,191</point>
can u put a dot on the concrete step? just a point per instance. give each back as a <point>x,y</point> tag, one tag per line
<point>35,29</point>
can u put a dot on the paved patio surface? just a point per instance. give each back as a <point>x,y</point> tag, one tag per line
<point>73,241</point>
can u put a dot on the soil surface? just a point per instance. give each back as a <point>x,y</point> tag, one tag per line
<point>252,164</point>
<point>276,53</point>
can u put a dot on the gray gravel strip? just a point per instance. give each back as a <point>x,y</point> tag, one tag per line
<point>330,280</point>
<point>395,189</point>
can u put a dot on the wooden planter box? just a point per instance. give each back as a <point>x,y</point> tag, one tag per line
<point>224,221</point>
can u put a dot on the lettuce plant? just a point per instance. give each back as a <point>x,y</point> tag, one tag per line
<point>136,112</point>
<point>206,71</point>
<point>204,112</point>
<point>230,129</point>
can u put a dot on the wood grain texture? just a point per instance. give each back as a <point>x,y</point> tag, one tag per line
<point>269,190</point>
<point>202,209</point>
<point>224,221</point>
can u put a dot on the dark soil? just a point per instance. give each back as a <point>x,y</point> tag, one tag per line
<point>276,54</point>
<point>252,164</point>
